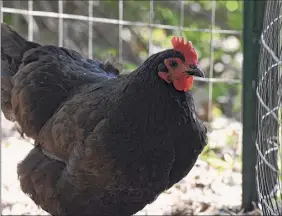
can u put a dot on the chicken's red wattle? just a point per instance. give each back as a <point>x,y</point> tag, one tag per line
<point>183,84</point>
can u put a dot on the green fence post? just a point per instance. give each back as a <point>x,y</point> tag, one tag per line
<point>253,24</point>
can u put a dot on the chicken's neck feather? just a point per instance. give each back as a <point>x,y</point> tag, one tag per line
<point>143,95</point>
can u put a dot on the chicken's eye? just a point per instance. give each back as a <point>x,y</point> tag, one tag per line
<point>193,66</point>
<point>173,64</point>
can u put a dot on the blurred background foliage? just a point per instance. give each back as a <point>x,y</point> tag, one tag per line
<point>226,51</point>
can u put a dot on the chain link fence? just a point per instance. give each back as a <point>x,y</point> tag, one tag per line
<point>269,94</point>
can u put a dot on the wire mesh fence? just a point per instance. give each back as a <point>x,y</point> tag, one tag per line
<point>269,94</point>
<point>78,24</point>
<point>132,30</point>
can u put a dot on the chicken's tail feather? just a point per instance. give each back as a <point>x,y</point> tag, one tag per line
<point>13,46</point>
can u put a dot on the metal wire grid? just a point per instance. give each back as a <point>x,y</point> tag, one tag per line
<point>269,94</point>
<point>120,22</point>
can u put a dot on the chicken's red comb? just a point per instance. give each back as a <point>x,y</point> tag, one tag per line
<point>187,49</point>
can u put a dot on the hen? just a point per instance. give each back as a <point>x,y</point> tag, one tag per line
<point>105,144</point>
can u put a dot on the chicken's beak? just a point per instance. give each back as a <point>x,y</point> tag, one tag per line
<point>195,72</point>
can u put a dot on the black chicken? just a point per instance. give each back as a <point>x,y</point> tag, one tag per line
<point>105,144</point>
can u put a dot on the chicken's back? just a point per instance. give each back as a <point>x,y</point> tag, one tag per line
<point>37,79</point>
